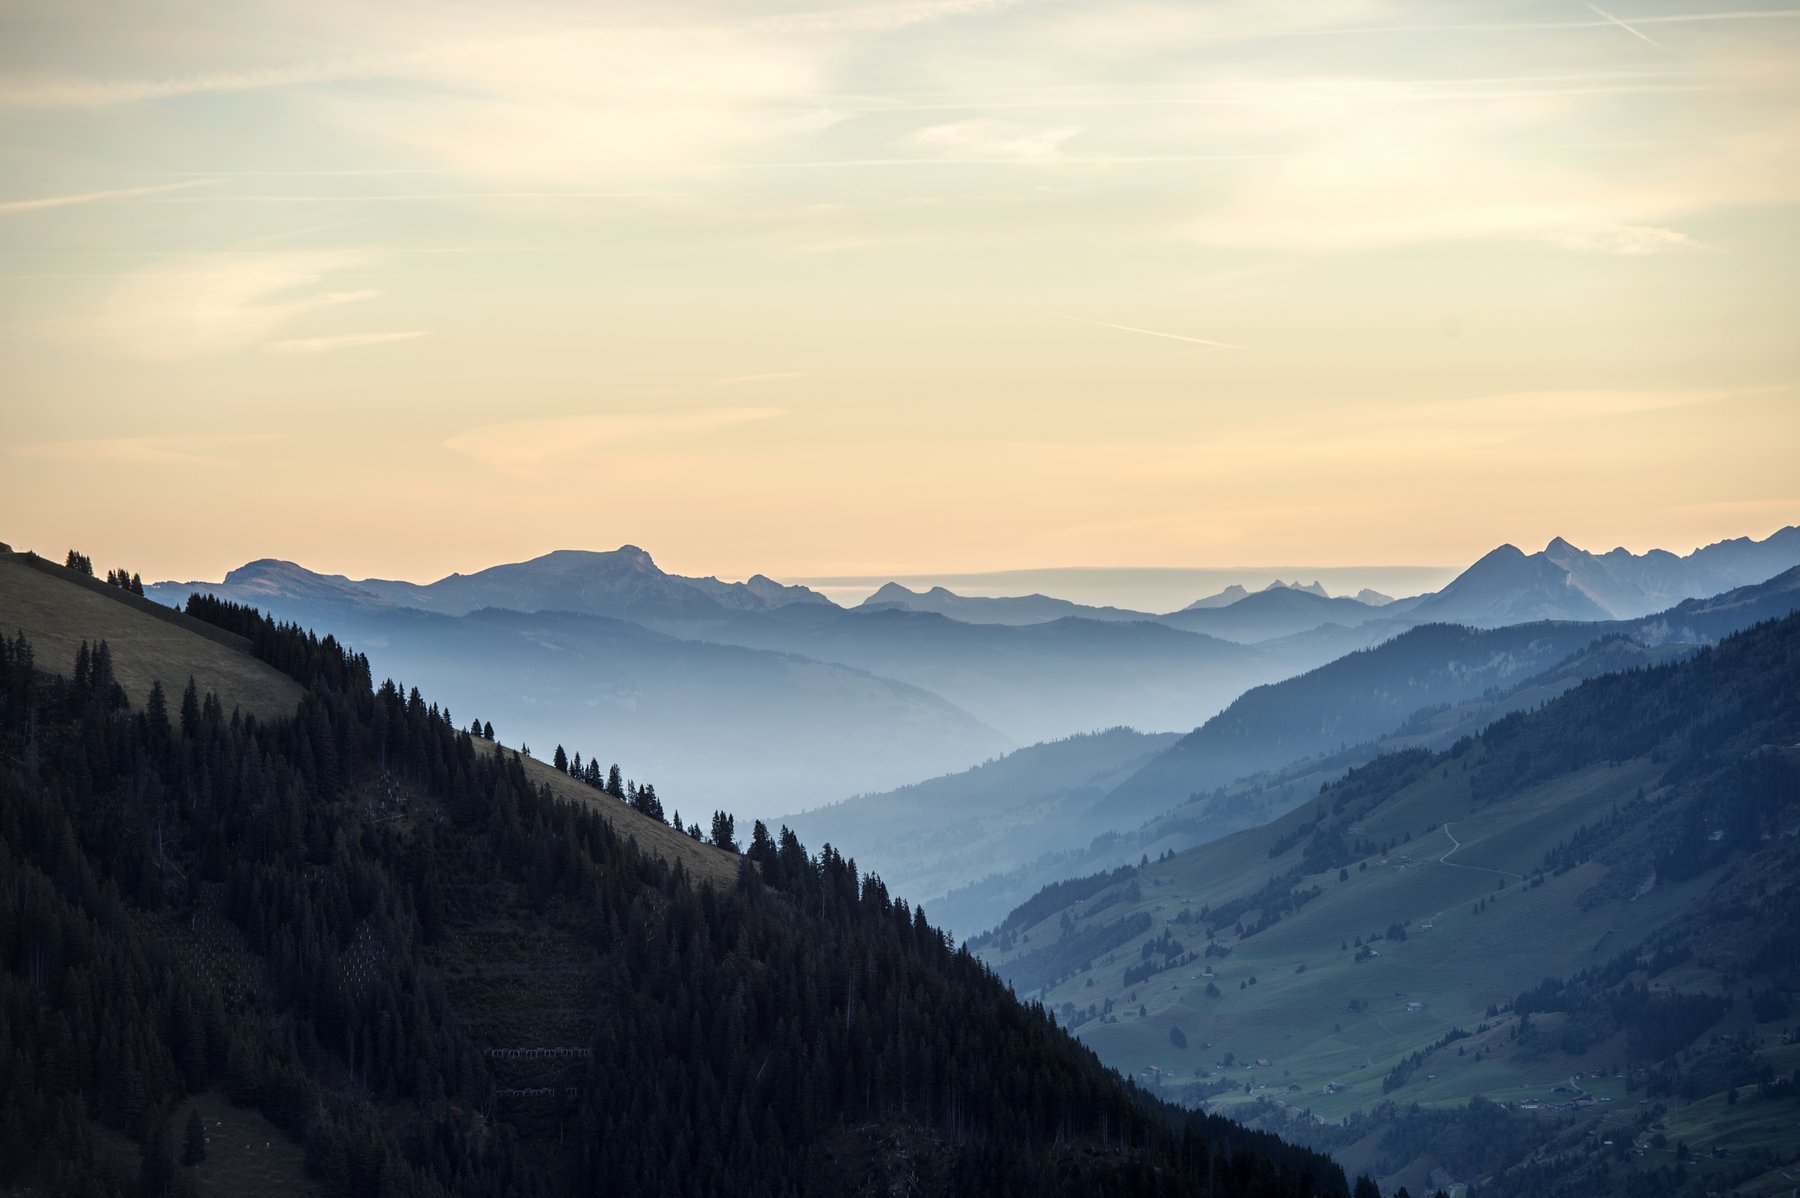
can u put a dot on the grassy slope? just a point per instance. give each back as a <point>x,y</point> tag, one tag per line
<point>1259,798</point>
<point>1300,1021</point>
<point>57,609</point>
<point>1321,1018</point>
<point>702,861</point>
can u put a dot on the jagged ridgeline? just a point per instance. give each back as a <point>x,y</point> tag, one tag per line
<point>404,955</point>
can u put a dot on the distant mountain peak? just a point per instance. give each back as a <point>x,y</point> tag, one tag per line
<point>1373,597</point>
<point>890,592</point>
<point>263,566</point>
<point>1224,598</point>
<point>1313,588</point>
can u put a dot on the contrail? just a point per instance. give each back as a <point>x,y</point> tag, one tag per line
<point>1627,28</point>
<point>94,197</point>
<point>1125,328</point>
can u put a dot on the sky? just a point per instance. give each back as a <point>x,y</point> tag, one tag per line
<point>895,287</point>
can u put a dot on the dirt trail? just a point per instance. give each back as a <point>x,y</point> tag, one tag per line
<point>1456,844</point>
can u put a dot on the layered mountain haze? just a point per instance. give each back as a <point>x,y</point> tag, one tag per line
<point>770,697</point>
<point>519,646</point>
<point>1022,609</point>
<point>1278,611</point>
<point>1276,745</point>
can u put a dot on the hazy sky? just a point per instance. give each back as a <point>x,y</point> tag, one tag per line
<point>943,285</point>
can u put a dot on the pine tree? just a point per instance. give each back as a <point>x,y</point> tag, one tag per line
<point>190,709</point>
<point>193,1142</point>
<point>156,710</point>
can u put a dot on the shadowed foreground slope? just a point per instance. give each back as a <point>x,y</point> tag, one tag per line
<point>370,930</point>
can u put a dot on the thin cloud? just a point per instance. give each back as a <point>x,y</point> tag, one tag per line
<point>321,345</point>
<point>97,197</point>
<point>1752,14</point>
<point>1125,328</point>
<point>877,18</point>
<point>195,450</point>
<point>1629,240</point>
<point>200,307</point>
<point>768,377</point>
<point>988,140</point>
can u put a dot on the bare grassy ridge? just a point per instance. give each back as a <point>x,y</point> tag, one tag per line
<point>57,609</point>
<point>703,862</point>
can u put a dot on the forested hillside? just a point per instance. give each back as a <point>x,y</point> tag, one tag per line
<point>435,976</point>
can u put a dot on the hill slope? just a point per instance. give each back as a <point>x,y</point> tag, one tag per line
<point>1353,943</point>
<point>1356,698</point>
<point>58,609</point>
<point>944,833</point>
<point>440,978</point>
<point>1368,694</point>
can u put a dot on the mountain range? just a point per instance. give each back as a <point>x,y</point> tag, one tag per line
<point>622,583</point>
<point>722,687</point>
<point>1274,746</point>
<point>1561,582</point>
<point>732,693</point>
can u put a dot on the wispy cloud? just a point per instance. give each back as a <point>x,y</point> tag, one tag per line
<point>1683,18</point>
<point>1349,180</point>
<point>322,345</point>
<point>524,448</point>
<point>198,307</point>
<point>8,207</point>
<point>1125,328</point>
<point>876,18</point>
<point>1610,238</point>
<point>987,139</point>
<point>772,376</point>
<point>198,449</point>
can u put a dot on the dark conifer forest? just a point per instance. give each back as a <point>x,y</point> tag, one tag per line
<point>291,913</point>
